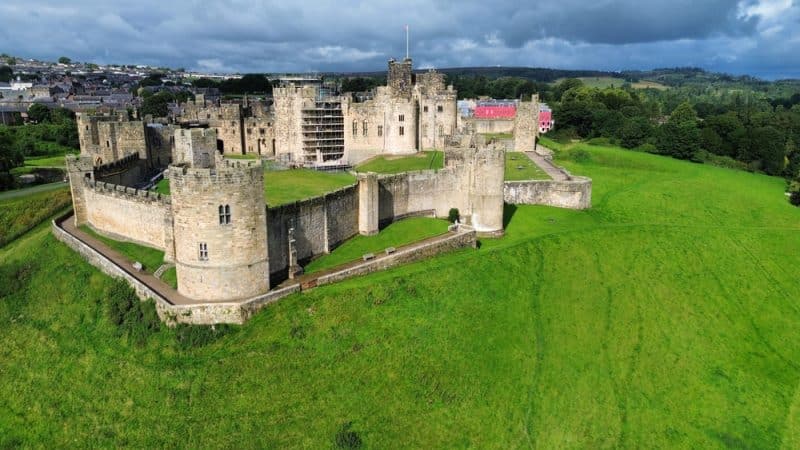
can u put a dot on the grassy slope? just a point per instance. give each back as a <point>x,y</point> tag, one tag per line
<point>399,233</point>
<point>529,171</point>
<point>285,186</point>
<point>19,214</point>
<point>606,82</point>
<point>666,316</point>
<point>397,164</point>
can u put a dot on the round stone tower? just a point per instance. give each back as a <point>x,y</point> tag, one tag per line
<point>486,188</point>
<point>220,229</point>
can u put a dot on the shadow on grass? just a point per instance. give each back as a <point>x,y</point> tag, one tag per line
<point>508,212</point>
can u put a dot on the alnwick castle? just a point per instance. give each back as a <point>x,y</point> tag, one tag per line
<point>234,253</point>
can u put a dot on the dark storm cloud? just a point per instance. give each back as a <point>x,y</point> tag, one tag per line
<point>234,35</point>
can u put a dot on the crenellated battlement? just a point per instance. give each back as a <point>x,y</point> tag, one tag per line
<point>126,192</point>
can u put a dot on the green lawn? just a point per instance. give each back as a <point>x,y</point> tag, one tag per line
<point>395,235</point>
<point>151,258</point>
<point>45,161</point>
<point>170,276</point>
<point>397,164</point>
<point>286,186</point>
<point>245,156</point>
<point>162,187</point>
<point>520,167</point>
<point>664,317</point>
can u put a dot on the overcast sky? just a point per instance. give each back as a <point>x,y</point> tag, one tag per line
<point>757,37</point>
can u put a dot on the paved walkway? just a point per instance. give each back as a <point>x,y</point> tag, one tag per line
<point>32,190</point>
<point>551,169</point>
<point>117,258</point>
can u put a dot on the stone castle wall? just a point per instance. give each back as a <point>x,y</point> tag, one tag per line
<point>127,213</point>
<point>259,136</point>
<point>289,102</point>
<point>573,194</point>
<point>320,225</point>
<point>484,126</point>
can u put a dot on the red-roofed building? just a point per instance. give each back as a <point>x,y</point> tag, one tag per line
<point>545,120</point>
<point>495,112</point>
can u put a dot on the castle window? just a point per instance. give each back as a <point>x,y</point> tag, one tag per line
<point>425,129</point>
<point>203,255</point>
<point>249,131</point>
<point>441,130</point>
<point>424,109</point>
<point>401,118</point>
<point>108,143</point>
<point>355,128</point>
<point>260,131</point>
<point>439,108</point>
<point>402,131</point>
<point>208,116</point>
<point>380,130</point>
<point>224,214</point>
<point>364,127</point>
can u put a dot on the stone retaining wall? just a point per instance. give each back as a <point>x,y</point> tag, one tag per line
<point>455,241</point>
<point>195,314</point>
<point>575,193</point>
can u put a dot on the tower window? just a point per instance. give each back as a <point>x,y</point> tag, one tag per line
<point>441,130</point>
<point>439,108</point>
<point>364,127</point>
<point>203,255</point>
<point>402,131</point>
<point>424,109</point>
<point>401,118</point>
<point>224,214</point>
<point>380,130</point>
<point>355,128</point>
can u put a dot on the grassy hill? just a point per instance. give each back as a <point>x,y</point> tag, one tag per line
<point>665,316</point>
<point>606,82</point>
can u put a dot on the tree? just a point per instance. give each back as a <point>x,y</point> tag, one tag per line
<point>64,60</point>
<point>6,74</point>
<point>635,132</point>
<point>770,147</point>
<point>39,113</point>
<point>157,105</point>
<point>680,136</point>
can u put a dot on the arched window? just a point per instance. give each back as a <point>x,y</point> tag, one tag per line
<point>365,128</point>
<point>224,214</point>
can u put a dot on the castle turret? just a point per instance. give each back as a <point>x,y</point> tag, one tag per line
<point>526,125</point>
<point>220,223</point>
<point>220,229</point>
<point>399,77</point>
<point>486,188</point>
<point>79,169</point>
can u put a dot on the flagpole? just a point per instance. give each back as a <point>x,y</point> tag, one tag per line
<point>406,41</point>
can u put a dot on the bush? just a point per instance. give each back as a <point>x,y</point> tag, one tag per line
<point>578,155</point>
<point>347,438</point>
<point>138,319</point>
<point>600,141</point>
<point>190,336</point>
<point>794,198</point>
<point>453,215</point>
<point>647,147</point>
